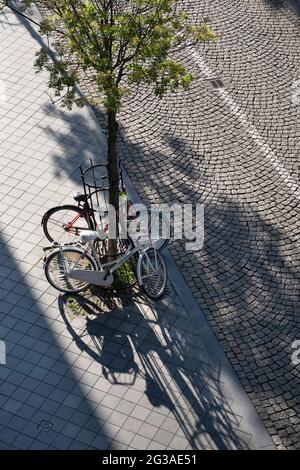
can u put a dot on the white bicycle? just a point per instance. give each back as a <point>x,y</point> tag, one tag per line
<point>71,269</point>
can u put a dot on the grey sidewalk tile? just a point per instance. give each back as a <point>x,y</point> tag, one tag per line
<point>86,436</point>
<point>64,412</point>
<point>117,418</point>
<point>57,395</point>
<point>73,401</point>
<point>103,412</point>
<point>12,406</point>
<point>17,423</point>
<point>61,442</point>
<point>110,401</point>
<point>101,442</point>
<point>35,400</point>
<point>45,390</point>
<point>5,416</point>
<point>70,430</point>
<point>94,423</point>
<point>170,425</point>
<point>4,373</point>
<point>140,442</point>
<point>29,383</point>
<point>8,435</point>
<point>118,446</point>
<point>118,390</point>
<point>38,445</point>
<point>111,430</point>
<point>163,437</point>
<point>156,446</point>
<point>76,445</point>
<point>178,443</point>
<point>89,379</point>
<point>76,417</point>
<point>23,442</point>
<point>51,377</point>
<point>49,406</point>
<point>133,396</point>
<point>8,389</point>
<point>148,430</point>
<point>21,395</point>
<point>125,407</point>
<point>124,437</point>
<point>156,419</point>
<point>92,394</point>
<point>132,424</point>
<point>27,412</point>
<point>140,412</point>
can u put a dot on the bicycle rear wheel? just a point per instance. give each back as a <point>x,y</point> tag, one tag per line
<point>57,264</point>
<point>152,273</point>
<point>63,224</point>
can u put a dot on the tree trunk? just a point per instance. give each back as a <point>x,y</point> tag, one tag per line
<point>113,179</point>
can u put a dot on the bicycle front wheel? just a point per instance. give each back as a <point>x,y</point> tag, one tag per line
<point>58,263</point>
<point>159,230</point>
<point>152,273</point>
<point>63,224</point>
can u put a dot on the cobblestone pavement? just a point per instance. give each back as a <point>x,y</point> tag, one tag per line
<point>237,150</point>
<point>125,374</point>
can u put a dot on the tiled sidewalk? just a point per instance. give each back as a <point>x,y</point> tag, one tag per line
<point>133,376</point>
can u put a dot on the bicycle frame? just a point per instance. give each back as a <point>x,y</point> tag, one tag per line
<point>112,265</point>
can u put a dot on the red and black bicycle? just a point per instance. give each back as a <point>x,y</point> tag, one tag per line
<point>63,224</point>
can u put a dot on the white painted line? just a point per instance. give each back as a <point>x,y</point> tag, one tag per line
<point>268,154</point>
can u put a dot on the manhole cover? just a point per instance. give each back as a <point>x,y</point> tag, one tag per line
<point>45,426</point>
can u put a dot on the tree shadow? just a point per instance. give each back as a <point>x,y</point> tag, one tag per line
<point>31,356</point>
<point>276,4</point>
<point>295,5</point>
<point>247,244</point>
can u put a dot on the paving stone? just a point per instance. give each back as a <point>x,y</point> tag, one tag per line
<point>140,442</point>
<point>163,437</point>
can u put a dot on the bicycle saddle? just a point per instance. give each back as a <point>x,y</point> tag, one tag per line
<point>92,235</point>
<point>79,197</point>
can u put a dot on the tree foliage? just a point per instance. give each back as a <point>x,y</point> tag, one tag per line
<point>119,43</point>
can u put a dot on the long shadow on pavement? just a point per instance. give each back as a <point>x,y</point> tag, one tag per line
<point>259,322</point>
<point>150,354</point>
<point>38,383</point>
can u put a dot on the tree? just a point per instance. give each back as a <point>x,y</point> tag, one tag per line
<point>119,43</point>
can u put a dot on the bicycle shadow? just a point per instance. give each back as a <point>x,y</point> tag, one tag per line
<point>141,351</point>
<point>102,334</point>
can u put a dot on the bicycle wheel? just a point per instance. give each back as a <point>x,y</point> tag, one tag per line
<point>159,231</point>
<point>63,224</point>
<point>56,273</point>
<point>152,273</point>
